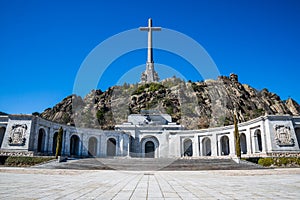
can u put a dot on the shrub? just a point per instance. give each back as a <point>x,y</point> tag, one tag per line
<point>266,162</point>
<point>279,161</point>
<point>22,161</point>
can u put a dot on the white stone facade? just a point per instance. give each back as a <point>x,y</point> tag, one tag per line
<point>150,135</point>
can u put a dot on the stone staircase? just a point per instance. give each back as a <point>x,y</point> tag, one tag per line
<point>152,164</point>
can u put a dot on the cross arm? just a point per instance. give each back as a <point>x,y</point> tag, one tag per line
<point>151,28</point>
<point>144,28</point>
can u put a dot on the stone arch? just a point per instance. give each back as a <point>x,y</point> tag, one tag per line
<point>297,131</point>
<point>243,143</point>
<point>206,147</point>
<point>111,147</point>
<point>92,147</point>
<point>2,132</point>
<point>187,147</point>
<point>150,147</point>
<point>41,140</point>
<point>225,150</point>
<point>258,141</point>
<point>74,145</point>
<point>54,143</point>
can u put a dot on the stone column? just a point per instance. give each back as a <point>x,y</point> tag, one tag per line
<point>219,146</point>
<point>232,146</point>
<point>46,140</point>
<point>121,146</point>
<point>63,143</point>
<point>118,146</point>
<point>195,146</point>
<point>67,143</point>
<point>99,146</point>
<point>248,141</point>
<point>50,143</point>
<point>80,148</point>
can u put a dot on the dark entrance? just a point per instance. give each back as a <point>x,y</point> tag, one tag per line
<point>41,140</point>
<point>297,131</point>
<point>258,140</point>
<point>149,149</point>
<point>74,145</point>
<point>188,148</point>
<point>2,132</point>
<point>54,143</point>
<point>111,147</point>
<point>243,143</point>
<point>225,145</point>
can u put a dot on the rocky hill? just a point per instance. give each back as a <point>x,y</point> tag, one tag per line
<point>2,113</point>
<point>209,103</point>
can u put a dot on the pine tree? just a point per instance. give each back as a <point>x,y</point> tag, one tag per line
<point>237,138</point>
<point>59,142</point>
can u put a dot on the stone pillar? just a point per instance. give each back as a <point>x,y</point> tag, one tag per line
<point>214,145</point>
<point>103,146</point>
<point>248,141</point>
<point>195,146</point>
<point>80,148</point>
<point>46,140</point>
<point>200,148</point>
<point>232,146</point>
<point>121,145</point>
<point>98,154</point>
<point>67,143</point>
<point>63,143</point>
<point>50,143</point>
<point>118,146</point>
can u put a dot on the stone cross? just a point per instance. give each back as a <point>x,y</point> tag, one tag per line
<point>150,29</point>
<point>149,75</point>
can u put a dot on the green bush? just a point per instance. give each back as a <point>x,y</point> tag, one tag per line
<point>22,161</point>
<point>151,86</point>
<point>155,87</point>
<point>279,161</point>
<point>266,162</point>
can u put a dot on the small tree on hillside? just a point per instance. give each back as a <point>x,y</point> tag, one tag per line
<point>59,142</point>
<point>237,137</point>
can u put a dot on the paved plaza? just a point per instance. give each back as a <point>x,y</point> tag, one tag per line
<point>29,183</point>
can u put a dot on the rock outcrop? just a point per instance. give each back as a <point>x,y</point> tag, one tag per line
<point>209,103</point>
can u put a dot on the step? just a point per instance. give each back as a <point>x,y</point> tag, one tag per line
<point>151,164</point>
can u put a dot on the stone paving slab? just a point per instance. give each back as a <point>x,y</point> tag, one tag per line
<point>28,183</point>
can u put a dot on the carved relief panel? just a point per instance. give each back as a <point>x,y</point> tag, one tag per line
<point>283,135</point>
<point>17,135</point>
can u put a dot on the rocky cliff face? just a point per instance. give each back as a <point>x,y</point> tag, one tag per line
<point>194,105</point>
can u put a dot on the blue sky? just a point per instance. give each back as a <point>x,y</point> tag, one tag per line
<point>43,43</point>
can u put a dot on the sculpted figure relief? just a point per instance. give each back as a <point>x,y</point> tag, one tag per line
<point>17,134</point>
<point>283,135</point>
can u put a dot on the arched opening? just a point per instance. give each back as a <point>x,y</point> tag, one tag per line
<point>74,145</point>
<point>243,143</point>
<point>2,132</point>
<point>297,131</point>
<point>54,144</point>
<point>258,140</point>
<point>149,149</point>
<point>41,141</point>
<point>188,147</point>
<point>92,149</point>
<point>111,147</point>
<point>225,145</point>
<point>206,147</point>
